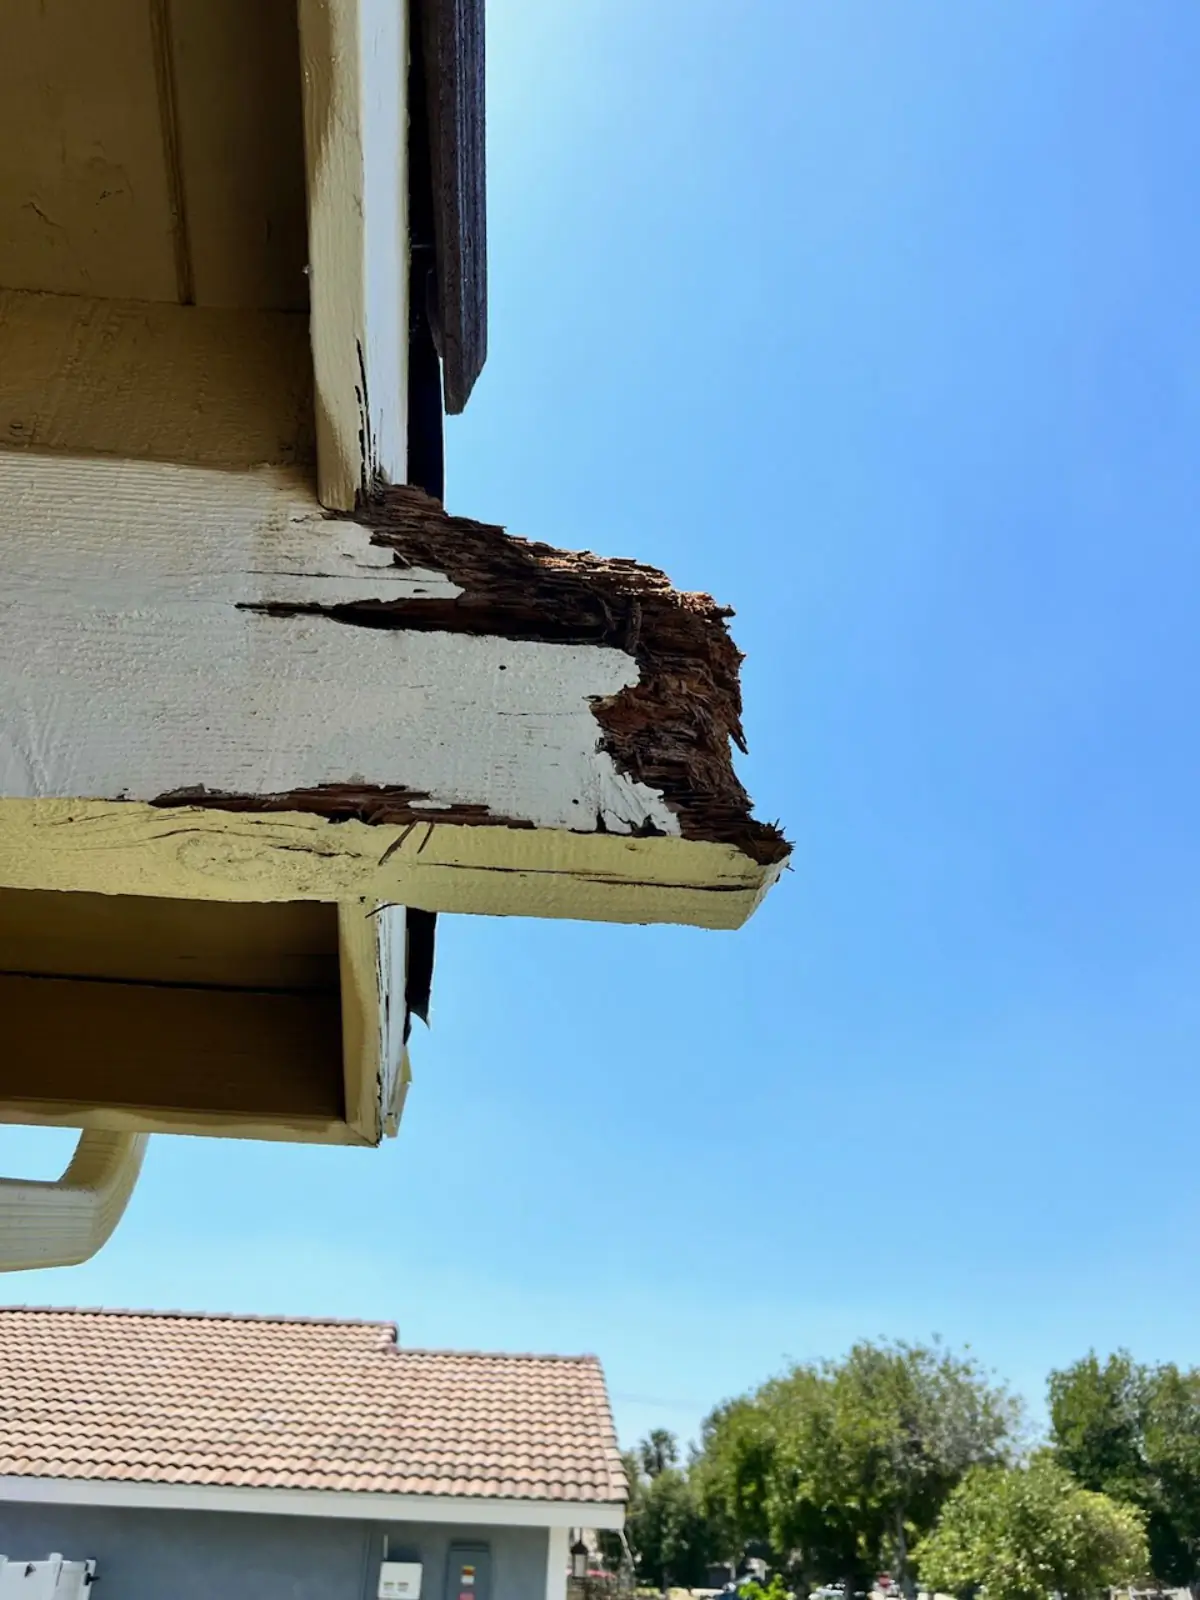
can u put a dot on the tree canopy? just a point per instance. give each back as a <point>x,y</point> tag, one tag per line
<point>1028,1533</point>
<point>1133,1432</point>
<point>657,1451</point>
<point>667,1533</point>
<point>839,1466</point>
<point>908,1459</point>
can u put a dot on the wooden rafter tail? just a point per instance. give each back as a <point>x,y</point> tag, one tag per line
<point>411,707</point>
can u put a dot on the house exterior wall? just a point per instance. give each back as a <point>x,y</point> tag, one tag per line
<point>195,1555</point>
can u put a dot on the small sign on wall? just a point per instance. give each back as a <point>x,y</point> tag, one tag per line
<point>468,1566</point>
<point>400,1580</point>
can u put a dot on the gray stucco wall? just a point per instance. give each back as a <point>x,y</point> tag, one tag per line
<point>197,1555</point>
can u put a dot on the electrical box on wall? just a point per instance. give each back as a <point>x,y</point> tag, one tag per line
<point>53,1578</point>
<point>469,1572</point>
<point>400,1580</point>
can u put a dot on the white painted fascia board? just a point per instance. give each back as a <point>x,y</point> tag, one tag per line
<point>354,56</point>
<point>123,582</point>
<point>359,1505</point>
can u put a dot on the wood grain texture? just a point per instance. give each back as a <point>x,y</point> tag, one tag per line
<point>240,137</point>
<point>371,944</point>
<point>452,50</point>
<point>84,191</point>
<point>156,382</point>
<point>139,660</point>
<point>672,729</point>
<point>194,852</point>
<point>181,646</point>
<point>361,1010</point>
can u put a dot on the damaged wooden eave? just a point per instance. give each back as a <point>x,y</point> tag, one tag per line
<point>219,691</point>
<point>197,853</point>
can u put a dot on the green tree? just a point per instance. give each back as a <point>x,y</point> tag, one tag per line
<point>1029,1533</point>
<point>1173,1456</point>
<point>1098,1425</point>
<point>841,1466</point>
<point>815,1517</point>
<point>733,1473</point>
<point>658,1451</point>
<point>1133,1432</point>
<point>776,1589</point>
<point>615,1550</point>
<point>665,1525</point>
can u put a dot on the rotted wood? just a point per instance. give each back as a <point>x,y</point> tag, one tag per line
<point>670,731</point>
<point>392,704</point>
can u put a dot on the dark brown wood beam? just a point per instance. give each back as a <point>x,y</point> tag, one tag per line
<point>450,50</point>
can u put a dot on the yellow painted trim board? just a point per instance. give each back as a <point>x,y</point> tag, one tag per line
<point>207,1124</point>
<point>197,853</point>
<point>362,1034</point>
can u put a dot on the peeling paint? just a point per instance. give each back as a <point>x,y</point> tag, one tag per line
<point>179,636</point>
<point>670,729</point>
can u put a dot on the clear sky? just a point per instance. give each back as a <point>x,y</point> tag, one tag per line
<point>880,320</point>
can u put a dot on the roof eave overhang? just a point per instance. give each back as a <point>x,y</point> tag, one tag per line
<point>360,1505</point>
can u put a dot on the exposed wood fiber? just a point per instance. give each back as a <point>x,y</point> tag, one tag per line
<point>670,731</point>
<point>377,804</point>
<point>126,847</point>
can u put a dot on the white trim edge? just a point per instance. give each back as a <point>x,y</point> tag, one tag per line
<point>557,1556</point>
<point>354,69</point>
<point>351,1503</point>
<point>383,75</point>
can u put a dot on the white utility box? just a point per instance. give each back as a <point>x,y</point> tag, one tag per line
<point>54,1579</point>
<point>400,1580</point>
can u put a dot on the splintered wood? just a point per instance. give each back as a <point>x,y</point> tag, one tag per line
<point>215,690</point>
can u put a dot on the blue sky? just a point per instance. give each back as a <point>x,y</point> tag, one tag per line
<point>880,322</point>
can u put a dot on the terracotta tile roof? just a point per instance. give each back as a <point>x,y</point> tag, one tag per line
<point>279,1403</point>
